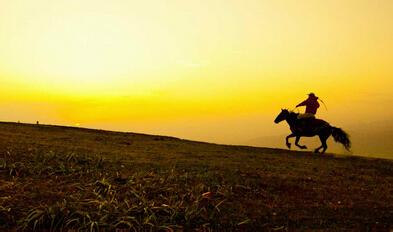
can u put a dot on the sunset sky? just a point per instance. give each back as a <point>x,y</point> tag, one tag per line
<point>210,70</point>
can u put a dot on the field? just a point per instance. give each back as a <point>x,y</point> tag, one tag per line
<point>56,178</point>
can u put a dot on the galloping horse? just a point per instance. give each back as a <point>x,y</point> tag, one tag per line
<point>312,128</point>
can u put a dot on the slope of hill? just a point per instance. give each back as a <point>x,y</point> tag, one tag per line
<point>54,178</point>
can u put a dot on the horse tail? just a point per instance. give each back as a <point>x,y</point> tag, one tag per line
<point>342,137</point>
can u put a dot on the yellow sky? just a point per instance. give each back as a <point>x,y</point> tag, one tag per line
<point>211,70</point>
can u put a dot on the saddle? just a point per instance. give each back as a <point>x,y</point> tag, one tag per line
<point>305,121</point>
<point>306,116</point>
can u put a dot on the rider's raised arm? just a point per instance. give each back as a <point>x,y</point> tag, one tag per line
<point>302,104</point>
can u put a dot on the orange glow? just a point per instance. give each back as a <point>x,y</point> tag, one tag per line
<point>196,69</point>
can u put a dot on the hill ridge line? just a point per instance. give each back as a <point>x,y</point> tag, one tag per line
<point>235,146</point>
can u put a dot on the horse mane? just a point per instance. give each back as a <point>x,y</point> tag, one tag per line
<point>291,112</point>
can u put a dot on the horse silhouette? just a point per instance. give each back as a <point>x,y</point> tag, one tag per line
<point>312,127</point>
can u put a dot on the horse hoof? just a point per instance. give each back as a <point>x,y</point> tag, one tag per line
<point>303,147</point>
<point>316,151</point>
<point>289,145</point>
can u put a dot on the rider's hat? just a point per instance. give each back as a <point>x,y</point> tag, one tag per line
<point>312,95</point>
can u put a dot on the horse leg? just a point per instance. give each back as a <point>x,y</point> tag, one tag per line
<point>287,140</point>
<point>323,139</point>
<point>297,143</point>
<point>320,147</point>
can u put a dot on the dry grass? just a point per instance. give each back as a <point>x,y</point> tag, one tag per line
<point>69,179</point>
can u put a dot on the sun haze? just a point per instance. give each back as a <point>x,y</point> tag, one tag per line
<point>211,70</point>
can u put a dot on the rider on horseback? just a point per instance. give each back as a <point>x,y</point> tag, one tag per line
<point>311,104</point>
<point>308,126</point>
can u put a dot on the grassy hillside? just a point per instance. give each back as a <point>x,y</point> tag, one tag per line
<point>57,178</point>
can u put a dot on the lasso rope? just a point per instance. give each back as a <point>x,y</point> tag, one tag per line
<point>323,103</point>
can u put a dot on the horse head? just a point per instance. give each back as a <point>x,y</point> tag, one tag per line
<point>282,115</point>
